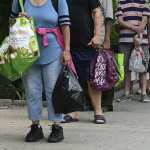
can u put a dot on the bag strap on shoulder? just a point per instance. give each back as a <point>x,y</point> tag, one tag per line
<point>21,5</point>
<point>55,5</point>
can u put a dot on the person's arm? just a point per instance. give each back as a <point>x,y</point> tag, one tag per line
<point>137,29</point>
<point>66,52</point>
<point>97,21</point>
<point>66,34</point>
<point>124,24</point>
<point>141,27</point>
<point>108,9</point>
<point>64,23</point>
<point>146,15</point>
<point>96,13</point>
<point>108,29</point>
<point>119,16</point>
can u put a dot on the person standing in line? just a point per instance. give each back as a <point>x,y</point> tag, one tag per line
<point>107,97</point>
<point>107,9</point>
<point>132,17</point>
<point>47,68</point>
<point>148,71</point>
<point>85,30</point>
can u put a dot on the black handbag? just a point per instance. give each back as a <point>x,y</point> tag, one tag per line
<point>68,95</point>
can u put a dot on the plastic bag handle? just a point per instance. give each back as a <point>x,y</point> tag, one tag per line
<point>21,5</point>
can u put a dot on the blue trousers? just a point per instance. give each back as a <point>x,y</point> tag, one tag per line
<point>37,78</point>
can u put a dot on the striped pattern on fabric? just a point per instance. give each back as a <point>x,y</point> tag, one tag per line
<point>63,20</point>
<point>132,12</point>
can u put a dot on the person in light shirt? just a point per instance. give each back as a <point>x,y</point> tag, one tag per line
<point>132,16</point>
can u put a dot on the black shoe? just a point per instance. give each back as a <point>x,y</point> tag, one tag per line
<point>35,134</point>
<point>107,108</point>
<point>56,134</point>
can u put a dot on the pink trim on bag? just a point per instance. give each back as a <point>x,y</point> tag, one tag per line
<point>56,31</point>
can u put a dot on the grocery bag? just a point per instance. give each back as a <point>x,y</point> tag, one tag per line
<point>68,95</point>
<point>119,60</point>
<point>20,49</point>
<point>103,74</point>
<point>137,61</point>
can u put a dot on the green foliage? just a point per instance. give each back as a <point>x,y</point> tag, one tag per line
<point>114,35</point>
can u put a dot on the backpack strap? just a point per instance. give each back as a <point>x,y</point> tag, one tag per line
<point>55,4</point>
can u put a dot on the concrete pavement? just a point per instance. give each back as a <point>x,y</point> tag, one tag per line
<point>128,128</point>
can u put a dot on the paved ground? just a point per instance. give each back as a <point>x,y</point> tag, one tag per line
<point>128,128</point>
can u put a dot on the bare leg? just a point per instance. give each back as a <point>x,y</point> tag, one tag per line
<point>96,100</point>
<point>143,83</point>
<point>148,84</point>
<point>127,83</point>
<point>75,115</point>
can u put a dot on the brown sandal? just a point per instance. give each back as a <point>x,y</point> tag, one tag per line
<point>99,119</point>
<point>69,119</point>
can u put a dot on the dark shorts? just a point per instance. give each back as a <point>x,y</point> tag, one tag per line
<point>82,60</point>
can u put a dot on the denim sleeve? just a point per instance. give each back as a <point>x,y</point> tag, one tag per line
<point>63,13</point>
<point>15,8</point>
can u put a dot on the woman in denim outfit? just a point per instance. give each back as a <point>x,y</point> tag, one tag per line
<point>45,71</point>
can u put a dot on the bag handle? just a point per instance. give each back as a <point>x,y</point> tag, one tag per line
<point>21,5</point>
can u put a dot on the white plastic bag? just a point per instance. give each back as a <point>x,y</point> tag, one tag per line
<point>137,60</point>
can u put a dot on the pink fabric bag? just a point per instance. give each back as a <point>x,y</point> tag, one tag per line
<point>103,74</point>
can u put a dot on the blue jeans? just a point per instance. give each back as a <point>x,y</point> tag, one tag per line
<point>37,78</point>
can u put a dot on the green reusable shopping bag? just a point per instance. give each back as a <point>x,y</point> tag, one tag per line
<point>120,68</point>
<point>20,49</point>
